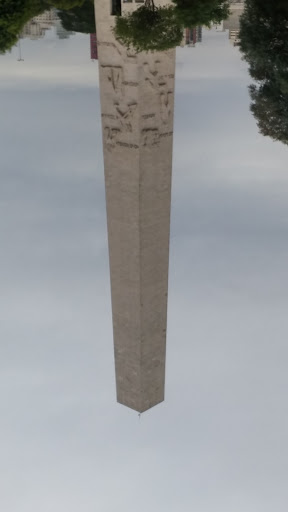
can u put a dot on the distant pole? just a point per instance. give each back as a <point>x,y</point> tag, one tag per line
<point>19,52</point>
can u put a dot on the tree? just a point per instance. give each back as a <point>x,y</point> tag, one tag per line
<point>149,28</point>
<point>264,43</point>
<point>13,16</point>
<point>264,32</point>
<point>79,18</point>
<point>191,13</point>
<point>65,4</point>
<point>270,108</point>
<point>160,28</point>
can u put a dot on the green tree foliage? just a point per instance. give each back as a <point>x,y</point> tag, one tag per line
<point>264,43</point>
<point>160,28</point>
<point>65,4</point>
<point>191,13</point>
<point>149,28</point>
<point>270,108</point>
<point>15,13</point>
<point>79,19</point>
<point>13,16</point>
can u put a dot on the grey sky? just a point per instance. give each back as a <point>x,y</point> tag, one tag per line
<point>219,441</point>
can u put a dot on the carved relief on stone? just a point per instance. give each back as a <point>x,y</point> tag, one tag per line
<point>150,137</point>
<point>120,122</point>
<point>163,85</point>
<point>131,56</point>
<point>165,134</point>
<point>151,73</point>
<point>127,55</point>
<point>153,76</point>
<point>166,106</point>
<point>125,114</point>
<point>117,125</point>
<point>109,44</point>
<point>130,83</point>
<point>148,116</point>
<point>110,136</point>
<point>115,78</point>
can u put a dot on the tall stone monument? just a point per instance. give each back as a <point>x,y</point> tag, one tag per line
<point>137,104</point>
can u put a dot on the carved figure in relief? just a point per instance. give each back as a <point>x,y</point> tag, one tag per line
<point>150,137</point>
<point>166,105</point>
<point>110,136</point>
<point>131,54</point>
<point>160,84</point>
<point>148,116</point>
<point>123,119</point>
<point>125,54</point>
<point>115,78</point>
<point>125,114</point>
<point>154,69</point>
<point>151,74</point>
<point>108,43</point>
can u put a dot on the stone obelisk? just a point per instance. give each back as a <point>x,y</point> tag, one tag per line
<point>137,104</point>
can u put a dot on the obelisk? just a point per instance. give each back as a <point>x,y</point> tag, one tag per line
<point>137,104</point>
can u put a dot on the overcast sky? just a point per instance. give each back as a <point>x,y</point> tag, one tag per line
<point>219,441</point>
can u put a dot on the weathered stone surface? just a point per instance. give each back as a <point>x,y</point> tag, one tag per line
<point>137,103</point>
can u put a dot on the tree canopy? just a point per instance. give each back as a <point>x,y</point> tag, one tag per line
<point>149,28</point>
<point>160,28</point>
<point>191,13</point>
<point>264,43</point>
<point>65,4</point>
<point>79,18</point>
<point>14,14</point>
<point>270,108</point>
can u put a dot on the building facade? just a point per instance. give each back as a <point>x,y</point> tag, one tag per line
<point>137,105</point>
<point>37,27</point>
<point>232,24</point>
<point>193,36</point>
<point>93,47</point>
